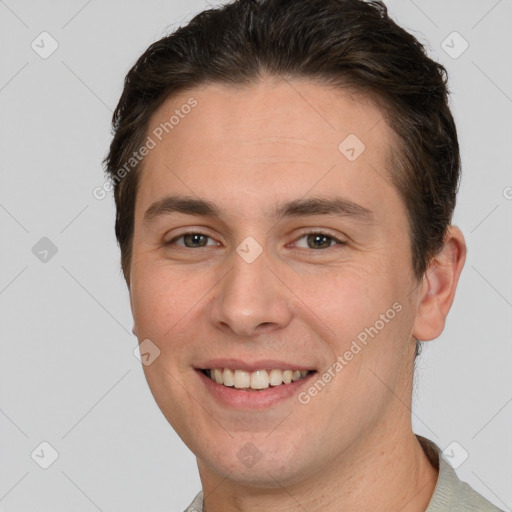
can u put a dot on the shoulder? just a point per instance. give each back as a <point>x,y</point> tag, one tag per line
<point>455,496</point>
<point>451,494</point>
<point>197,504</point>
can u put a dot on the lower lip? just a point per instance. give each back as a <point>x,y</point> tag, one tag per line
<point>243,399</point>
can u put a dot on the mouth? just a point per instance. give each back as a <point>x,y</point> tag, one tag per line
<point>258,380</point>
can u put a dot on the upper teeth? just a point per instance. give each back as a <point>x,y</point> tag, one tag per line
<point>260,379</point>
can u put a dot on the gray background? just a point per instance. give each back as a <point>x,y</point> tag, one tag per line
<point>67,372</point>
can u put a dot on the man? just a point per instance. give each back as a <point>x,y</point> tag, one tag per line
<point>285,175</point>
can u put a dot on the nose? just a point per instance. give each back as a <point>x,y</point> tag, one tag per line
<point>250,299</point>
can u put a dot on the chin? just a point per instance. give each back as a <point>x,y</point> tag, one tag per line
<point>259,464</point>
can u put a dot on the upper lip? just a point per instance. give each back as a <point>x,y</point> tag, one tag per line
<point>252,366</point>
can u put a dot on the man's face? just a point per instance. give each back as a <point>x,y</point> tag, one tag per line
<point>257,289</point>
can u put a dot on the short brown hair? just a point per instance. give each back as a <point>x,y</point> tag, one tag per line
<point>347,43</point>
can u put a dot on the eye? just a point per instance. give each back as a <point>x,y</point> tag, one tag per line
<point>193,240</point>
<point>313,240</point>
<point>319,240</point>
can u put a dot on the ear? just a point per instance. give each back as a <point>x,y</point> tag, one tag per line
<point>438,286</point>
<point>134,328</point>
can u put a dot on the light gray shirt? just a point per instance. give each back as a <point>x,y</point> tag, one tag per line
<point>450,493</point>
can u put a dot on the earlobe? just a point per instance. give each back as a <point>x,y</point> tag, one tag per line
<point>438,287</point>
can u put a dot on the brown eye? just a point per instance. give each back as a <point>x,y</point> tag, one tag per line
<point>194,240</point>
<point>318,240</point>
<point>191,240</point>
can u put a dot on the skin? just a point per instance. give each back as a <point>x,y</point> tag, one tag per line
<point>248,149</point>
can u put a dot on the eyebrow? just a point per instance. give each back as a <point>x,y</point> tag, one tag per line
<point>297,208</point>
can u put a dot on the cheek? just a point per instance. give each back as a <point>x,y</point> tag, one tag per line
<point>363,313</point>
<point>347,298</point>
<point>160,298</point>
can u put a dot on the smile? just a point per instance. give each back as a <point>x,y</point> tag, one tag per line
<point>254,381</point>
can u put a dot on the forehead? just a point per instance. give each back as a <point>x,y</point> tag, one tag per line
<point>272,138</point>
<point>291,110</point>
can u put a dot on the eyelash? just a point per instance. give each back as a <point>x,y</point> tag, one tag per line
<point>302,235</point>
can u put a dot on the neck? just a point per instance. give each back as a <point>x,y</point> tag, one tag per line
<point>386,471</point>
